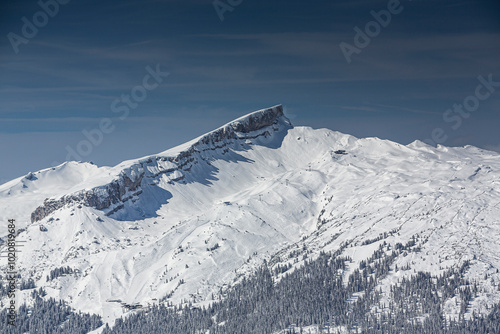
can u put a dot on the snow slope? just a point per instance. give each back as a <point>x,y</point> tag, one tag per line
<point>184,223</point>
<point>19,197</point>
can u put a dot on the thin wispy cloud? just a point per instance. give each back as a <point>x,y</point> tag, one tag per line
<point>358,108</point>
<point>417,111</point>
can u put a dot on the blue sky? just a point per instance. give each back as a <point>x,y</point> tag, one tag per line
<point>63,80</point>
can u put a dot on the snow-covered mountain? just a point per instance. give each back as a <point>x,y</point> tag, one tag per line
<point>183,224</point>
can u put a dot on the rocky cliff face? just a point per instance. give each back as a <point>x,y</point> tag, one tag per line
<point>130,181</point>
<point>242,127</point>
<point>100,197</point>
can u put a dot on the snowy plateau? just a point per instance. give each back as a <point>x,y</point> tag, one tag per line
<point>185,225</point>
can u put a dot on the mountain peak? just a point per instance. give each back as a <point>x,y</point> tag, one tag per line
<point>258,119</point>
<point>172,165</point>
<point>242,127</point>
<point>250,126</point>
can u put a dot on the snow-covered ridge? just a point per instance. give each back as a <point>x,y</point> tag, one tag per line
<point>128,182</point>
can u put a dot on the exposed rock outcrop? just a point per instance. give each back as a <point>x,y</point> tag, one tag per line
<point>101,197</point>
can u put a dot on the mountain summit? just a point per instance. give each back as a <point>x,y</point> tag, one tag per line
<point>170,165</point>
<point>183,225</point>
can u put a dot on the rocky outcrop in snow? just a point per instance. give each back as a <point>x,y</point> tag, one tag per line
<point>100,197</point>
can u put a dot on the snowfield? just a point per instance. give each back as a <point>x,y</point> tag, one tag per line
<point>184,224</point>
